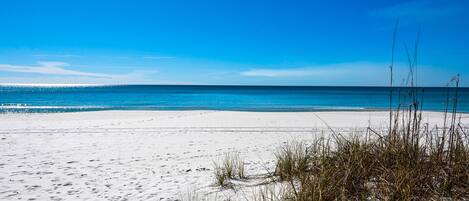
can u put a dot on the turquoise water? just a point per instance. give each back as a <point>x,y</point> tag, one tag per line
<point>243,98</point>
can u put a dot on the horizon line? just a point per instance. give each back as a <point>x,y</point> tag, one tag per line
<point>208,85</point>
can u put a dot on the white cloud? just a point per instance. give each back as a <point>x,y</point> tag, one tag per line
<point>49,68</point>
<point>50,72</point>
<point>318,70</point>
<point>352,73</point>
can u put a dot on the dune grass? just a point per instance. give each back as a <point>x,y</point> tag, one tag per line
<point>231,167</point>
<point>406,164</point>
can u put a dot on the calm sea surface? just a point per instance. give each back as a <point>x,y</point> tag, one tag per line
<point>244,98</point>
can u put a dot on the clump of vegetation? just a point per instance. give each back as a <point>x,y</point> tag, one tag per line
<point>292,159</point>
<point>240,168</point>
<point>232,167</point>
<point>408,163</point>
<point>221,176</point>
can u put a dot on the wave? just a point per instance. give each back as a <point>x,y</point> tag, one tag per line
<point>55,85</point>
<point>32,108</point>
<point>26,107</point>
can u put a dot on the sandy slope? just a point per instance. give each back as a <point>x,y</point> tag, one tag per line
<point>150,155</point>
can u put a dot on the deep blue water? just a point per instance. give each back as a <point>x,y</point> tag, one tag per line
<point>245,98</point>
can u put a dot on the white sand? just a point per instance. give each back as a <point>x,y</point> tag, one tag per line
<point>151,155</point>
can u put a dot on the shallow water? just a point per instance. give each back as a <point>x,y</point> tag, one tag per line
<point>244,98</point>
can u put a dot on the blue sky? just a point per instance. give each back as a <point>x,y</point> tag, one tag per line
<point>230,42</point>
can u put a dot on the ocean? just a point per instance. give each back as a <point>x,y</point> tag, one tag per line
<point>42,99</point>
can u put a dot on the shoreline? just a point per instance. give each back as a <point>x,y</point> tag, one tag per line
<point>79,109</point>
<point>204,118</point>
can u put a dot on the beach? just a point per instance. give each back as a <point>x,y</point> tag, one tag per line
<point>154,155</point>
<point>234,100</point>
